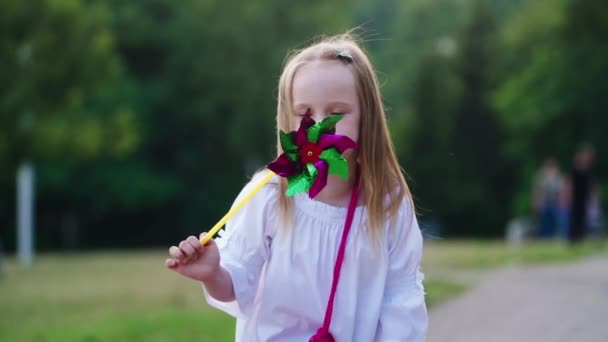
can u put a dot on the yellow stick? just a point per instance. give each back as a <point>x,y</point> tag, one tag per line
<point>236,208</point>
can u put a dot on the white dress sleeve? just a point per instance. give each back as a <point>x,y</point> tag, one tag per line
<point>244,247</point>
<point>403,315</point>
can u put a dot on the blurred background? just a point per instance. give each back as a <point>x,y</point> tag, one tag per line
<point>126,126</point>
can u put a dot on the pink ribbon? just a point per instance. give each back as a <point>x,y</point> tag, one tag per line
<point>323,334</point>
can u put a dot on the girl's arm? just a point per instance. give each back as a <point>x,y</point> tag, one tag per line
<point>220,287</point>
<point>202,263</point>
<point>244,247</point>
<point>403,316</point>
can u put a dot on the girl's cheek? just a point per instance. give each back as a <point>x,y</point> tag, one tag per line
<point>352,133</point>
<point>351,156</point>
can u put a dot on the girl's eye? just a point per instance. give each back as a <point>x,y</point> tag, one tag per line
<point>302,114</point>
<point>334,112</point>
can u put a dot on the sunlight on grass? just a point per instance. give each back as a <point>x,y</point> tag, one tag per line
<point>438,290</point>
<point>484,254</point>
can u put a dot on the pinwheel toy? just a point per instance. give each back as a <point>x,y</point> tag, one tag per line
<point>309,155</point>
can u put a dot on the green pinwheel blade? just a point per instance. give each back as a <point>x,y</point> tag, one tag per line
<point>293,156</point>
<point>298,184</point>
<point>313,133</point>
<point>312,172</point>
<point>287,142</point>
<point>324,126</point>
<point>329,123</point>
<point>337,164</point>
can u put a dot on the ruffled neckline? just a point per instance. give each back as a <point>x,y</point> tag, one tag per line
<point>323,211</point>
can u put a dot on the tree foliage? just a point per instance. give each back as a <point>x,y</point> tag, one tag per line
<point>145,118</point>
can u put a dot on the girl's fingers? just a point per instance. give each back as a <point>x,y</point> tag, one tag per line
<point>170,263</point>
<point>202,236</point>
<point>176,253</point>
<point>188,250</point>
<point>196,244</point>
<point>209,243</point>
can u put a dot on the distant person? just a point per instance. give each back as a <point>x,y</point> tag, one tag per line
<point>595,217</point>
<point>276,266</point>
<point>581,186</point>
<point>563,209</point>
<point>546,200</point>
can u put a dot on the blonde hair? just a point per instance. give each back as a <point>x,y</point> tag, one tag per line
<point>379,169</point>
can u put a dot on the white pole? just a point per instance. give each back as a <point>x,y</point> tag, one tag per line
<point>25,214</point>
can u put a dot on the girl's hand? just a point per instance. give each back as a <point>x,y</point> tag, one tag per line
<point>193,260</point>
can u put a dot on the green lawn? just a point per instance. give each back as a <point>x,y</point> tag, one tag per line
<point>467,255</point>
<point>130,296</point>
<point>114,296</point>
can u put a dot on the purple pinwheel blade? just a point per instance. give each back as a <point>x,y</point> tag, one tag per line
<point>301,135</point>
<point>283,166</point>
<point>320,180</point>
<point>340,142</point>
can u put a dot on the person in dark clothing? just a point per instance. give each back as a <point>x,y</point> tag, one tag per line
<point>581,183</point>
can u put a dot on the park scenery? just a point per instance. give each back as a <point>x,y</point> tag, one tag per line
<point>126,126</point>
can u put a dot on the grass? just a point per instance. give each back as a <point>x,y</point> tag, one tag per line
<point>118,296</point>
<point>467,255</point>
<point>130,296</point>
<point>438,290</point>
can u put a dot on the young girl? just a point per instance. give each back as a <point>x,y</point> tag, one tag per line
<point>275,266</point>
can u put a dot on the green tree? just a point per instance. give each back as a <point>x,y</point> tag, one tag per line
<point>58,67</point>
<point>455,147</point>
<point>430,158</point>
<point>62,95</point>
<point>206,74</point>
<point>481,178</point>
<point>553,94</point>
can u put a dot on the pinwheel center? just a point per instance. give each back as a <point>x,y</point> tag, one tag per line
<point>310,153</point>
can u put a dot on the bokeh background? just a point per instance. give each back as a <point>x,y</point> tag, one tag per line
<point>143,119</point>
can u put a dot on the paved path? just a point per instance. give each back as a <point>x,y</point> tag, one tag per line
<point>555,303</point>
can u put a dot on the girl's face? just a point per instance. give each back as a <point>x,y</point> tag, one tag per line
<point>327,88</point>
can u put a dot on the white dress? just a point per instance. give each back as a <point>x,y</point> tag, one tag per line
<point>282,278</point>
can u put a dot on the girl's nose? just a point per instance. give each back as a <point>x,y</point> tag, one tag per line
<point>317,115</point>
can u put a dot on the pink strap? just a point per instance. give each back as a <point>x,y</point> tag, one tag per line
<point>323,332</point>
